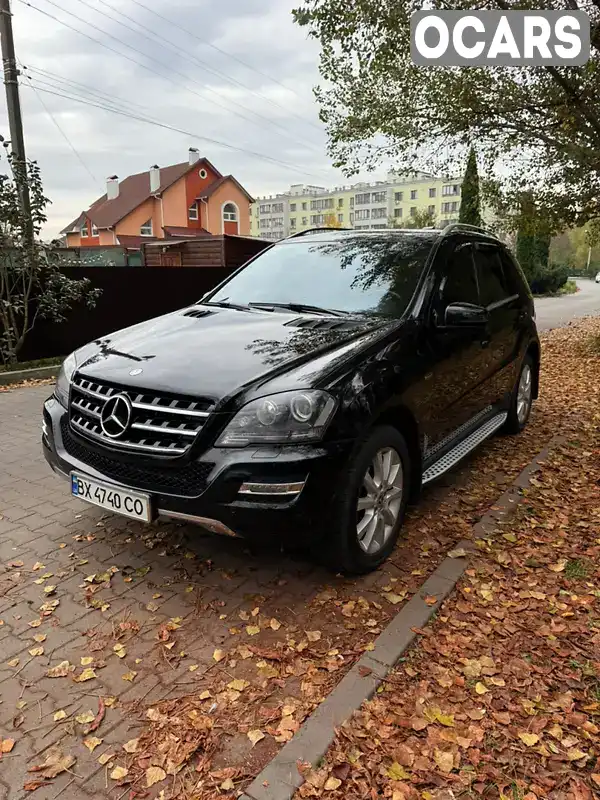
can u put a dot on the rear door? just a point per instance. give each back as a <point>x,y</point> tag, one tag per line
<point>500,296</point>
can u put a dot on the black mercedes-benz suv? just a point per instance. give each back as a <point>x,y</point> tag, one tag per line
<point>311,394</point>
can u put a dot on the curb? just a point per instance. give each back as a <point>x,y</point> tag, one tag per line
<point>7,378</point>
<point>280,778</point>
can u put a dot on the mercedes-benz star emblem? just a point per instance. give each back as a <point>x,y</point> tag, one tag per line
<point>116,416</point>
<point>135,372</point>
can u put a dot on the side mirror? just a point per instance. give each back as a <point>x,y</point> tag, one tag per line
<point>465,315</point>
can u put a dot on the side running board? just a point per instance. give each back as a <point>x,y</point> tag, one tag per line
<point>463,448</point>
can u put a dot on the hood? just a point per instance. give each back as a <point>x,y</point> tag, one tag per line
<point>214,352</point>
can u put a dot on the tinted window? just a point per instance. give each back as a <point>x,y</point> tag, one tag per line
<point>490,275</point>
<point>363,274</point>
<point>516,281</point>
<point>459,285</point>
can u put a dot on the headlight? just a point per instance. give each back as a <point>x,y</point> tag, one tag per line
<point>63,382</point>
<point>280,419</point>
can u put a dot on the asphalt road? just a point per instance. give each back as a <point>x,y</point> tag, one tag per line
<point>554,312</point>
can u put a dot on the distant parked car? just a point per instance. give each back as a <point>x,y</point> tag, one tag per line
<point>311,394</point>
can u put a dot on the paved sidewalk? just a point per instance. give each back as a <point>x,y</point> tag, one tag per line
<point>145,608</point>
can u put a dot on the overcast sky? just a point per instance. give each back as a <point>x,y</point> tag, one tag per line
<point>272,113</point>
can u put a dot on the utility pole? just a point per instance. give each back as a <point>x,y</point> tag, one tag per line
<point>13,105</point>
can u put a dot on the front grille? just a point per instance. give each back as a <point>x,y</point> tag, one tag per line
<point>160,424</point>
<point>188,480</point>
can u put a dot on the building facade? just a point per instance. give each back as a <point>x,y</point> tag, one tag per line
<point>183,200</point>
<point>363,206</point>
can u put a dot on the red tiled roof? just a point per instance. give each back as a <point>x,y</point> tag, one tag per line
<point>135,242</point>
<point>212,188</point>
<point>133,191</point>
<point>188,233</point>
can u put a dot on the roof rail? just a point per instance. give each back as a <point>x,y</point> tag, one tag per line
<point>457,227</point>
<point>313,230</point>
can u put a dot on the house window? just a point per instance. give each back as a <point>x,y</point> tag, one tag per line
<point>379,213</point>
<point>292,206</point>
<point>450,190</point>
<point>362,214</point>
<point>341,202</point>
<point>304,219</point>
<point>193,211</point>
<point>230,213</point>
<point>83,230</point>
<point>379,197</point>
<point>94,230</point>
<point>340,217</point>
<point>413,194</point>
<point>397,213</point>
<point>146,229</point>
<point>413,211</point>
<point>362,199</point>
<point>399,197</point>
<point>303,206</point>
<point>431,209</point>
<point>432,192</point>
<point>293,223</point>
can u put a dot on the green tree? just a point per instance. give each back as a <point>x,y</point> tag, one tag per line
<point>543,122</point>
<point>422,218</point>
<point>469,203</point>
<point>31,285</point>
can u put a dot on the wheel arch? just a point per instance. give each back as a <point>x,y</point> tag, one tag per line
<point>403,420</point>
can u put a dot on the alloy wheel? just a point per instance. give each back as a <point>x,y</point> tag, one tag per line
<point>380,500</point>
<point>524,394</point>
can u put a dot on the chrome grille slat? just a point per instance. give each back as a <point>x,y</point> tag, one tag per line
<point>160,423</point>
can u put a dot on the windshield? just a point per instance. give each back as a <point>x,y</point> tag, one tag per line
<point>352,274</point>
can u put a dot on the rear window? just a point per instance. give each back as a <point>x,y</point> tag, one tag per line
<point>355,274</point>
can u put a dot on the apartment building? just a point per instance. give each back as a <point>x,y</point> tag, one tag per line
<point>363,206</point>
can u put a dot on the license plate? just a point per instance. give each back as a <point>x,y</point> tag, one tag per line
<point>112,498</point>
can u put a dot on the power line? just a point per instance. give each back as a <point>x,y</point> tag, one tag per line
<point>203,64</point>
<point>192,134</point>
<point>62,132</point>
<point>152,59</point>
<point>220,50</point>
<point>82,87</point>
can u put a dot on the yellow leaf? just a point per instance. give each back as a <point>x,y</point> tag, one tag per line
<point>393,598</point>
<point>575,754</point>
<point>92,743</point>
<point>559,566</point>
<point>7,745</point>
<point>255,736</point>
<point>105,758</point>
<point>130,676</point>
<point>119,773</point>
<point>131,746</point>
<point>510,537</point>
<point>50,589</point>
<point>154,775</point>
<point>255,612</point>
<point>86,661</point>
<point>275,624</point>
<point>35,623</point>
<point>445,761</point>
<point>14,662</point>
<point>252,630</point>
<point>481,688</point>
<point>120,651</point>
<point>205,696</point>
<point>36,651</point>
<point>313,636</point>
<point>37,565</point>
<point>460,552</point>
<point>529,738</point>
<point>238,685</point>
<point>86,675</point>
<point>110,701</point>
<point>58,715</point>
<point>331,784</point>
<point>40,637</point>
<point>397,772</point>
<point>21,704</point>
<point>85,718</point>
<point>218,655</point>
<point>193,667</point>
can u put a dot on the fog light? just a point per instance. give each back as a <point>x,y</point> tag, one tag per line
<point>277,489</point>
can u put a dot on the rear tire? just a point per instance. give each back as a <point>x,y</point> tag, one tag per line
<point>370,504</point>
<point>521,399</point>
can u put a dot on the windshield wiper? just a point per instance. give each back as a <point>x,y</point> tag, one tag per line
<point>299,308</point>
<point>226,304</point>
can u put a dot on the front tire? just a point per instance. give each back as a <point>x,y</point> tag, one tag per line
<point>370,505</point>
<point>521,399</point>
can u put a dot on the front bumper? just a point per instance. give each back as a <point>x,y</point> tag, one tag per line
<point>246,491</point>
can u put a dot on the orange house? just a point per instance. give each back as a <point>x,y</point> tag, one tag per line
<point>181,201</point>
